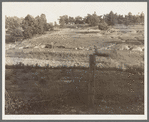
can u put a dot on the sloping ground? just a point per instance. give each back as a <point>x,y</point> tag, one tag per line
<point>74,38</point>
<point>119,79</point>
<point>68,57</point>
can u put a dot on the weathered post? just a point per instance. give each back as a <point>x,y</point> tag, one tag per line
<point>72,77</point>
<point>91,84</point>
<point>15,40</point>
<point>52,44</point>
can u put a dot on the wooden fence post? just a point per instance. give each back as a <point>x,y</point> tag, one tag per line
<point>72,75</point>
<point>52,46</point>
<point>91,84</point>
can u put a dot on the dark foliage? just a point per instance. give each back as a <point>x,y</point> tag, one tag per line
<point>102,26</point>
<point>111,19</point>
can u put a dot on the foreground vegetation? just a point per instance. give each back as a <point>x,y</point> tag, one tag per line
<point>55,91</point>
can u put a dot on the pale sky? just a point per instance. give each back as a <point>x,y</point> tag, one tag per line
<point>53,10</point>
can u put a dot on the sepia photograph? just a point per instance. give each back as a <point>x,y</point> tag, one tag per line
<point>74,60</point>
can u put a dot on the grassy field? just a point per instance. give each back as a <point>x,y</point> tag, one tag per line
<point>37,87</point>
<point>119,76</point>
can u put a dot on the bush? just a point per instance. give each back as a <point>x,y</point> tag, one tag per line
<point>28,32</point>
<point>103,26</point>
<point>16,33</point>
<point>9,39</point>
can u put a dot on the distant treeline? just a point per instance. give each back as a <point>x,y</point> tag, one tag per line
<point>110,19</point>
<point>29,26</point>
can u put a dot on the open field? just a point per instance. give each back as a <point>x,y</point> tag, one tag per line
<point>119,75</point>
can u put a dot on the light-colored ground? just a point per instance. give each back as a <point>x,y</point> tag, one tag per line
<point>129,46</point>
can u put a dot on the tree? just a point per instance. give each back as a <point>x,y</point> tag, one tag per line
<point>78,20</point>
<point>29,26</point>
<point>126,20</point>
<point>130,18</point>
<point>55,24</point>
<point>138,19</point>
<point>63,20</point>
<point>43,21</point>
<point>111,18</point>
<point>103,26</point>
<point>39,25</point>
<point>100,18</point>
<point>12,22</point>
<point>134,20</point>
<point>71,20</point>
<point>120,19</point>
<point>28,32</point>
<point>93,19</point>
<point>115,18</point>
<point>51,26</point>
<point>142,17</point>
<point>84,19</point>
<point>16,34</point>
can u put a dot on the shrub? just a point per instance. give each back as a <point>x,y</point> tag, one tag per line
<point>103,26</point>
<point>28,32</point>
<point>16,33</point>
<point>9,39</point>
